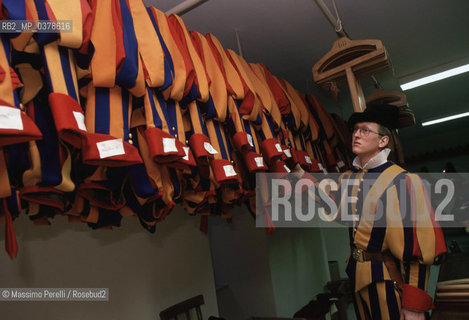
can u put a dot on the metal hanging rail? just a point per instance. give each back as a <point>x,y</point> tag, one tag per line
<point>185,7</point>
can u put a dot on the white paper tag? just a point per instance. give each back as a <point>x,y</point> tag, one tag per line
<point>10,118</point>
<point>287,153</point>
<point>110,148</point>
<point>169,145</point>
<point>229,170</point>
<point>251,143</point>
<point>308,160</point>
<point>186,151</point>
<point>259,162</point>
<point>287,169</point>
<point>337,168</point>
<point>279,148</point>
<point>340,164</point>
<point>322,168</point>
<point>80,119</point>
<point>210,148</point>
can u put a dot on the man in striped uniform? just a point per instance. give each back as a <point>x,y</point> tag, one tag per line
<point>391,252</point>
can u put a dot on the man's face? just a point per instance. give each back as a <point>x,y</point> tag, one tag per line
<point>363,143</point>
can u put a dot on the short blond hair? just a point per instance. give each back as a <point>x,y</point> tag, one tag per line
<point>383,131</point>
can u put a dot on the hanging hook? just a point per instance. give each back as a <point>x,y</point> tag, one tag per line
<point>338,26</point>
<point>335,21</point>
<point>238,40</point>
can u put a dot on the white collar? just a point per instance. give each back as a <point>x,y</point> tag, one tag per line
<point>374,162</point>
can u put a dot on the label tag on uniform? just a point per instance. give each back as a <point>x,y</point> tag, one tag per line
<point>110,148</point>
<point>279,148</point>
<point>287,169</point>
<point>340,164</point>
<point>287,153</point>
<point>186,151</point>
<point>308,160</point>
<point>80,119</point>
<point>321,167</point>
<point>169,145</point>
<point>10,118</point>
<point>210,148</point>
<point>229,170</point>
<point>259,162</point>
<point>251,143</point>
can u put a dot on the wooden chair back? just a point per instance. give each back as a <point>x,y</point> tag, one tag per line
<point>184,309</point>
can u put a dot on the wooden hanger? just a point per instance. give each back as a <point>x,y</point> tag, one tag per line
<point>348,61</point>
<point>395,98</point>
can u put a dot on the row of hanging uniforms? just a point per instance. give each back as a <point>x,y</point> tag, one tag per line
<point>130,114</point>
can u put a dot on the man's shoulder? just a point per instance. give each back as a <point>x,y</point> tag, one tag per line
<point>387,166</point>
<point>391,173</point>
<point>397,174</point>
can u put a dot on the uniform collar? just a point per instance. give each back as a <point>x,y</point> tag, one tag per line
<point>376,161</point>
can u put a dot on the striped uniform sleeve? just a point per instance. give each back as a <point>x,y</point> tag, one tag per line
<point>216,106</point>
<point>234,83</point>
<point>176,90</point>
<point>414,237</point>
<point>416,274</point>
<point>201,80</point>
<point>149,45</point>
<point>251,105</point>
<point>273,110</point>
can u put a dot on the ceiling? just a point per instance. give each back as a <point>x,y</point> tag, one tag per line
<point>289,36</point>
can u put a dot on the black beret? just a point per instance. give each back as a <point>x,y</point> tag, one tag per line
<point>384,114</point>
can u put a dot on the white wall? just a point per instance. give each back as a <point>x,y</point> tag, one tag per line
<point>337,246</point>
<point>265,275</point>
<point>298,267</point>
<point>241,266</point>
<point>144,272</point>
<point>338,249</point>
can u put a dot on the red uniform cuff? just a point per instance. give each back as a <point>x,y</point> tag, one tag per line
<point>16,126</point>
<point>294,159</point>
<point>305,161</point>
<point>417,299</point>
<point>47,196</point>
<point>187,161</point>
<point>100,196</point>
<point>198,143</point>
<point>280,168</point>
<point>68,117</point>
<point>271,150</point>
<point>287,154</point>
<point>104,150</point>
<point>224,171</point>
<point>254,162</point>
<point>242,142</point>
<point>163,147</point>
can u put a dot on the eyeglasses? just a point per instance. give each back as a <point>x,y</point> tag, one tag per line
<point>364,132</point>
